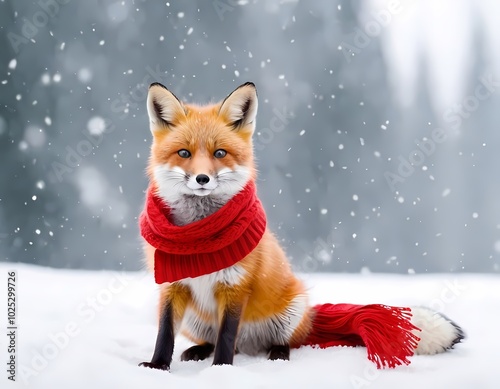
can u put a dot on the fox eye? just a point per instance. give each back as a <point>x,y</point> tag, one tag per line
<point>183,153</point>
<point>220,153</point>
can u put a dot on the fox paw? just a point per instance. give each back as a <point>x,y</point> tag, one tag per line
<point>157,366</point>
<point>198,352</point>
<point>279,353</point>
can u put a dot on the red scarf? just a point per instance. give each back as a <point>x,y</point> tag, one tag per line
<point>386,331</point>
<point>207,245</point>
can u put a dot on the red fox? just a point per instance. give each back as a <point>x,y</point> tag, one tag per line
<point>225,281</point>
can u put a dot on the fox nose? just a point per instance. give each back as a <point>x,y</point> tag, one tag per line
<point>202,179</point>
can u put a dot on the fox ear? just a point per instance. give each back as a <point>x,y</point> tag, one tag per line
<point>240,107</point>
<point>164,109</point>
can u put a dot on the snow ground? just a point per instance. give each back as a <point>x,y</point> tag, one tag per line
<point>90,329</point>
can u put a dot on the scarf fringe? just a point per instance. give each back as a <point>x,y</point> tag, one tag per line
<point>385,331</point>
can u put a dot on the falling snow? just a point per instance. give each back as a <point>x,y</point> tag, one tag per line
<point>330,125</point>
<point>85,75</point>
<point>96,125</point>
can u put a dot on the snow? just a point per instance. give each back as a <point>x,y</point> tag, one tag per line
<point>95,191</point>
<point>96,125</point>
<point>84,329</point>
<point>45,79</point>
<point>35,136</point>
<point>85,75</point>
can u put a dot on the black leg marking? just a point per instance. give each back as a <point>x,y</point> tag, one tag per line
<point>226,340</point>
<point>279,352</point>
<point>198,352</point>
<point>164,347</point>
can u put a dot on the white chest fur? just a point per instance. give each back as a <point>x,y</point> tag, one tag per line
<point>203,287</point>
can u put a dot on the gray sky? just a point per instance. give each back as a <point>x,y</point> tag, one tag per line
<point>384,156</point>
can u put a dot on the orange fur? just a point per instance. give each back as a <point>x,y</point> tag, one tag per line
<point>203,131</point>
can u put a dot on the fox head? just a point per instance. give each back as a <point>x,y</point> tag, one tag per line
<point>201,150</point>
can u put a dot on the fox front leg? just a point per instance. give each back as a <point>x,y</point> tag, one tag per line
<point>164,348</point>
<point>226,339</point>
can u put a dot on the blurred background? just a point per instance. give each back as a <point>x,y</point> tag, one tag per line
<point>377,128</point>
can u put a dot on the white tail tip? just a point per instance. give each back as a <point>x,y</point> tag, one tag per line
<point>438,334</point>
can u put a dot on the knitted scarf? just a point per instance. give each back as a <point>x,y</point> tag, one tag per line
<point>385,331</point>
<point>208,245</point>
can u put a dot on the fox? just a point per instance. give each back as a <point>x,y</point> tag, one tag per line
<point>202,163</point>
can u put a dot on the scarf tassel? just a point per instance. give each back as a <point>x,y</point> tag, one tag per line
<point>386,331</point>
